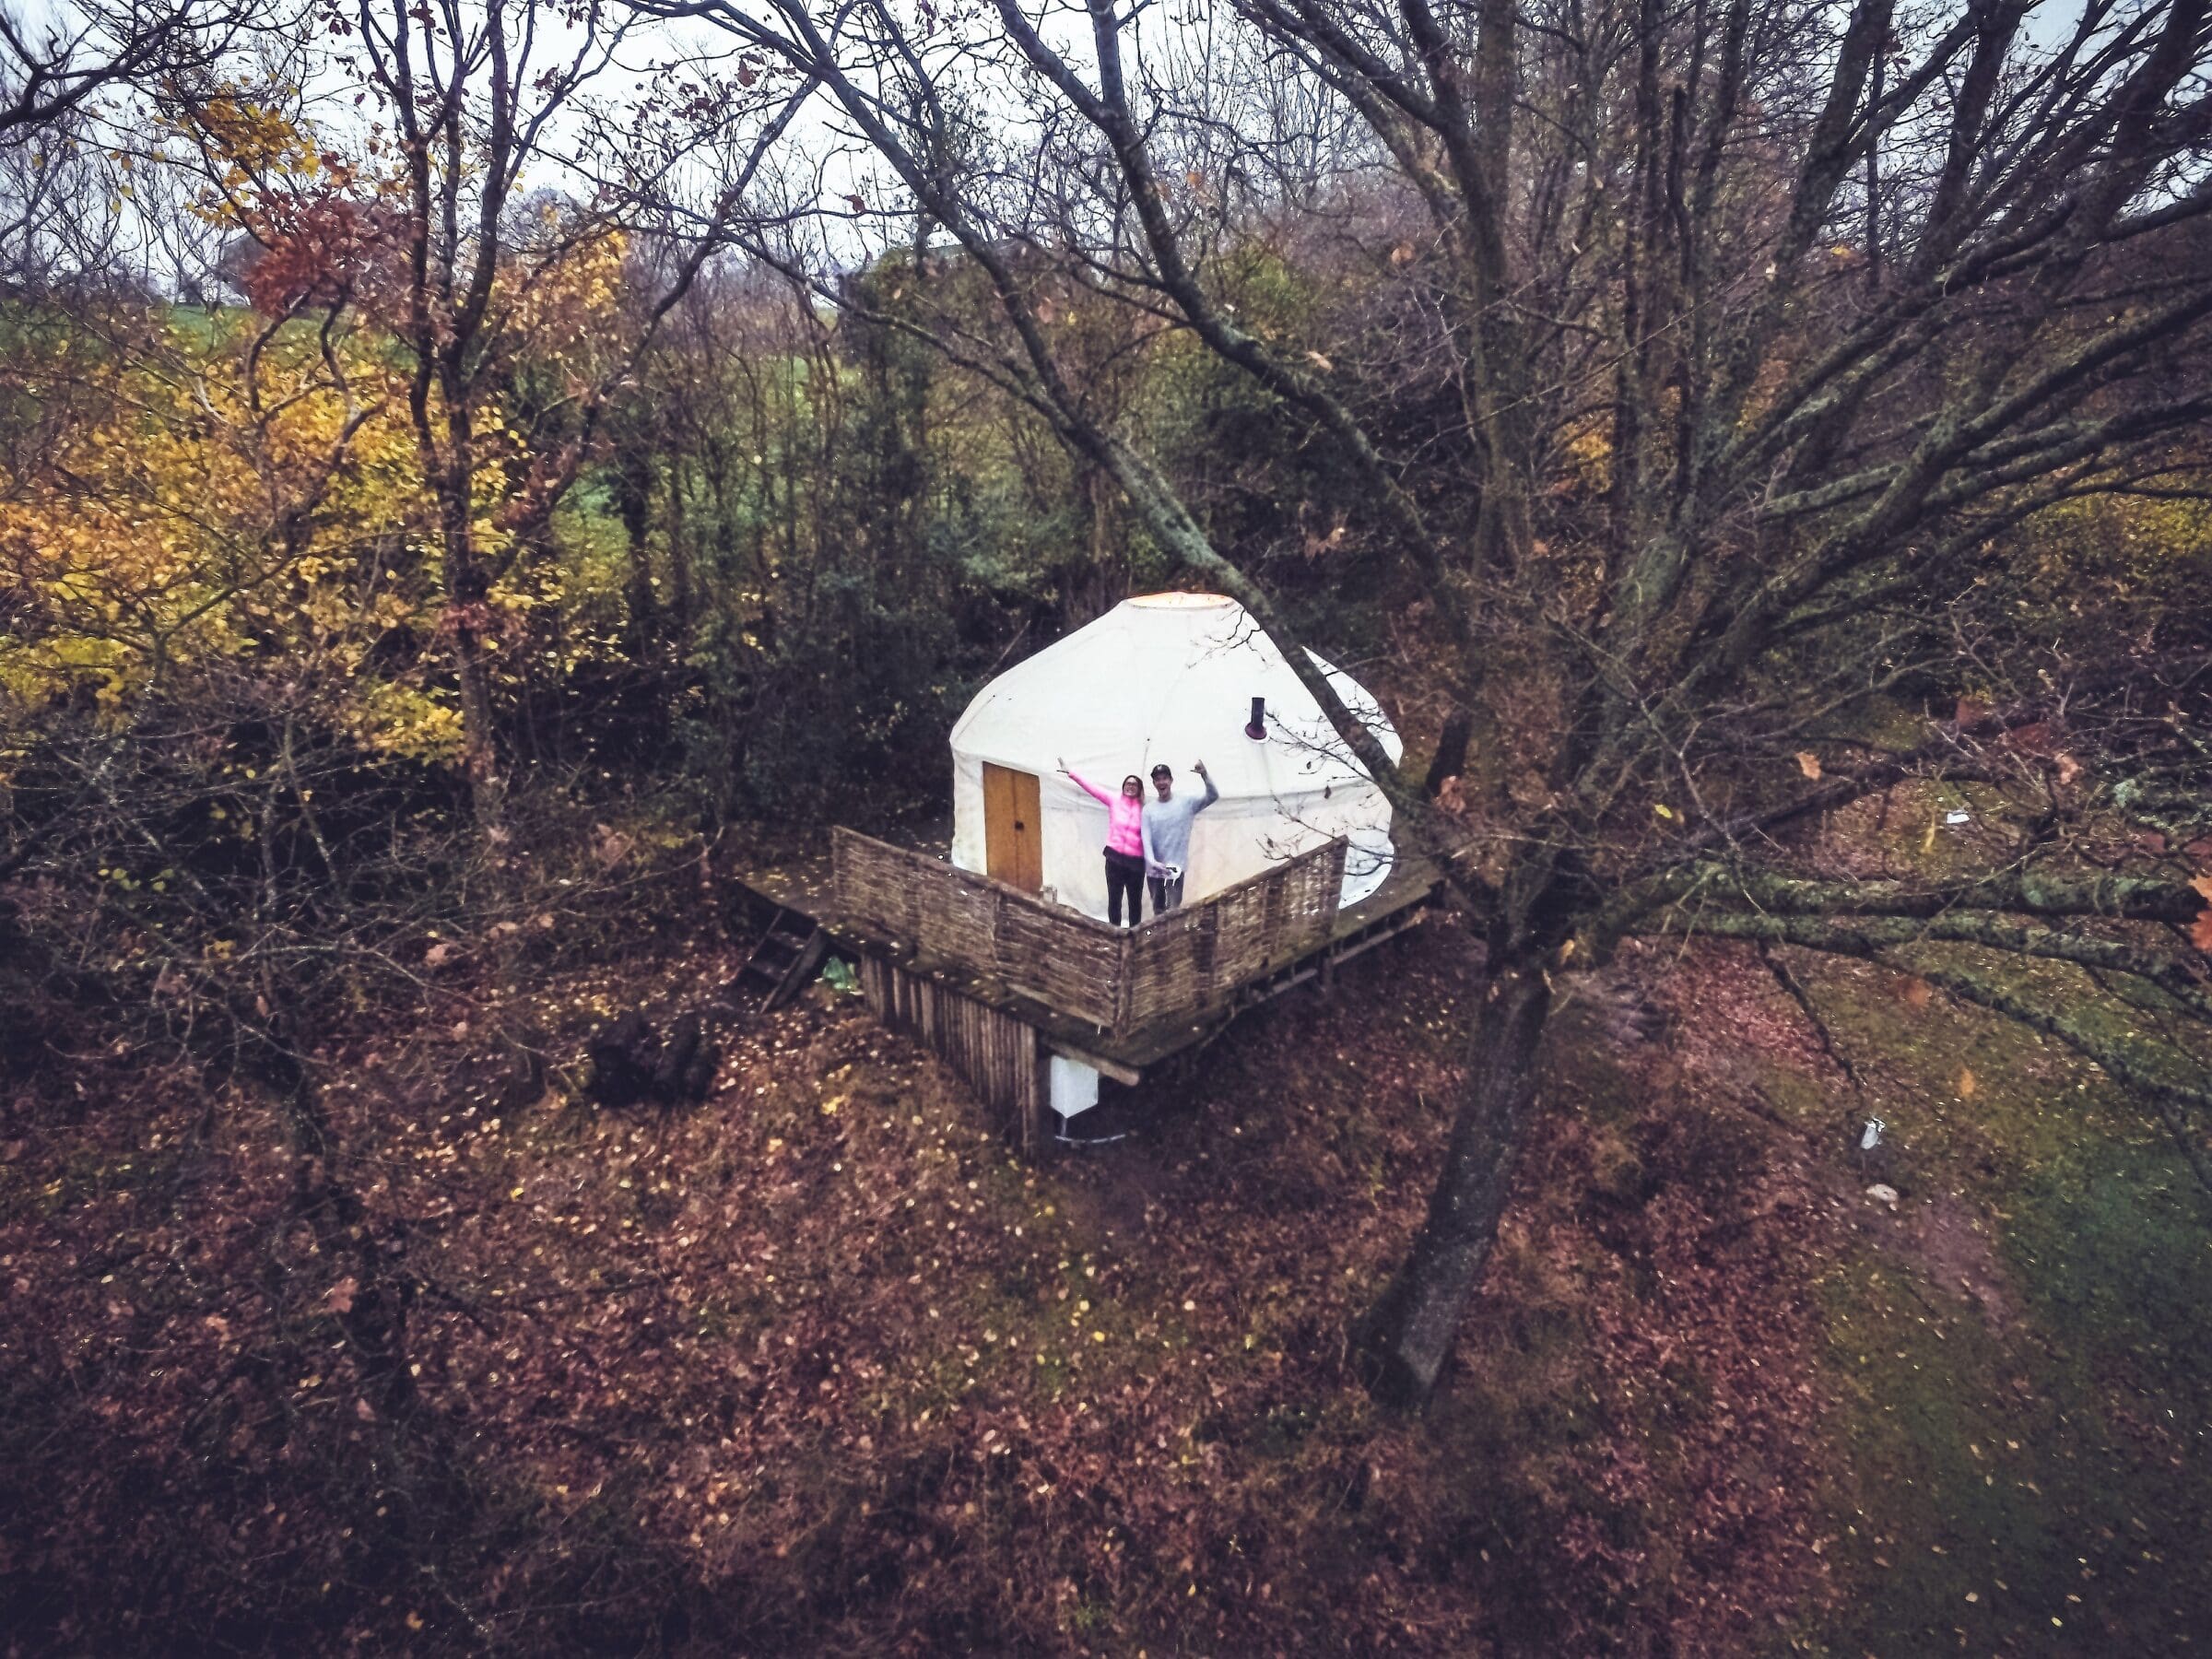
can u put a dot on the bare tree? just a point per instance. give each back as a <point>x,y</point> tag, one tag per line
<point>477,97</point>
<point>56,69</point>
<point>1647,245</point>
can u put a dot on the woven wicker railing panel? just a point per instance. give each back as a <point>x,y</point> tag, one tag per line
<point>1067,960</point>
<point>1072,968</point>
<point>1197,956</point>
<point>1187,962</point>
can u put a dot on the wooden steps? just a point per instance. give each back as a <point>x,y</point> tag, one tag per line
<point>785,959</point>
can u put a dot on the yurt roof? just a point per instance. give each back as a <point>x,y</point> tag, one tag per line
<point>1168,677</point>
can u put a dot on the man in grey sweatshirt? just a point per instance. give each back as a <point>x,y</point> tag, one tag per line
<point>1168,834</point>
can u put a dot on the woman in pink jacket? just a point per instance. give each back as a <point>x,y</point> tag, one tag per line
<point>1124,842</point>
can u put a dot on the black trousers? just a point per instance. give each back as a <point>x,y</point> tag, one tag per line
<point>1125,874</point>
<point>1166,894</point>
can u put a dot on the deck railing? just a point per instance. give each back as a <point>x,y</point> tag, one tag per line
<point>1119,979</point>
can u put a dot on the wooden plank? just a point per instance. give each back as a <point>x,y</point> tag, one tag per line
<point>801,972</point>
<point>993,1053</point>
<point>1128,1076</point>
<point>1035,1136</point>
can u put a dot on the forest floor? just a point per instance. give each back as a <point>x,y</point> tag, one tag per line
<point>819,1367</point>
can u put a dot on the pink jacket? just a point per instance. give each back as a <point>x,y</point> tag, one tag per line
<point>1126,822</point>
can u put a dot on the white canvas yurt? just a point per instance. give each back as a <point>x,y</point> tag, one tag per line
<point>1167,678</point>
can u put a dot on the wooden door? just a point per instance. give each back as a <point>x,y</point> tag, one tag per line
<point>1013,834</point>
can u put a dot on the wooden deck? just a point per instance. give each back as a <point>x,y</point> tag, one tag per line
<point>1183,986</point>
<point>803,881</point>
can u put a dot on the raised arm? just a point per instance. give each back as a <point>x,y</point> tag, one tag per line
<point>1088,787</point>
<point>1213,790</point>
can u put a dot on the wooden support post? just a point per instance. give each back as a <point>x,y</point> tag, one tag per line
<point>1128,1077</point>
<point>1209,958</point>
<point>1123,980</point>
<point>1003,1060</point>
<point>1039,1140</point>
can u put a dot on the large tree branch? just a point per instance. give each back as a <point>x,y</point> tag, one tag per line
<point>1108,111</point>
<point>2168,1078</point>
<point>2030,892</point>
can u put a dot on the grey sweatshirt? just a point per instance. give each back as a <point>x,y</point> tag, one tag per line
<point>1167,827</point>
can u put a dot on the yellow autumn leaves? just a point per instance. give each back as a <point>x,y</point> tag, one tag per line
<point>200,500</point>
<point>209,501</point>
<point>251,139</point>
<point>561,304</point>
<point>215,499</point>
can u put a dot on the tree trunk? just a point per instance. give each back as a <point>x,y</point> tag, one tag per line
<point>1450,758</point>
<point>1408,1335</point>
<point>373,1312</point>
<point>451,472</point>
<point>681,552</point>
<point>479,743</point>
<point>633,505</point>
